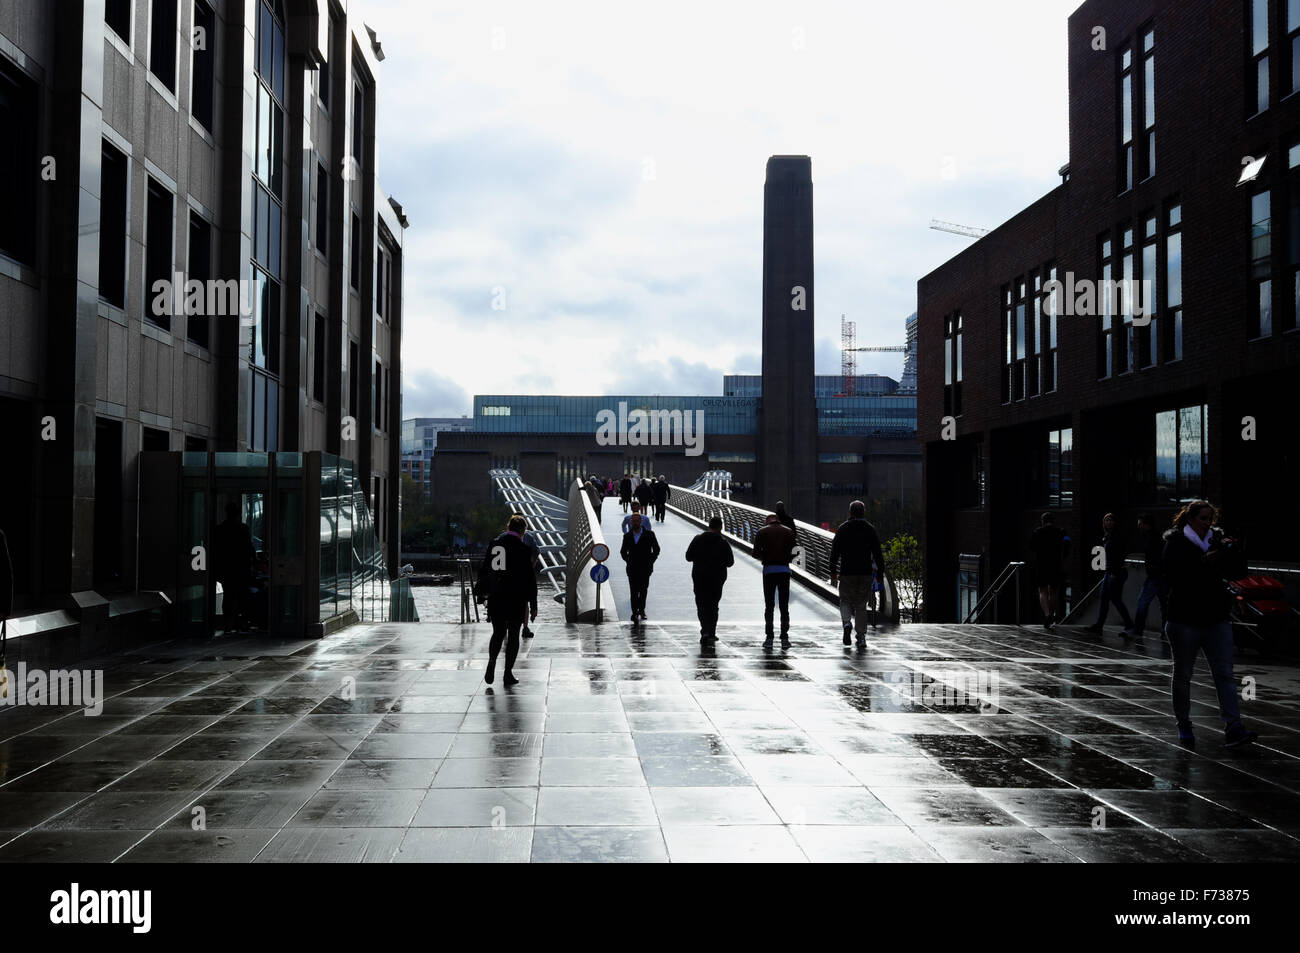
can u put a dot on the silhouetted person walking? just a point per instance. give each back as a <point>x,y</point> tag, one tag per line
<point>661,493</point>
<point>1197,559</point>
<point>858,568</point>
<point>1049,546</point>
<point>645,495</point>
<point>534,544</point>
<point>710,555</point>
<point>774,546</point>
<point>640,550</point>
<point>234,564</point>
<point>508,582</point>
<point>625,491</point>
<point>1154,586</point>
<point>1112,583</point>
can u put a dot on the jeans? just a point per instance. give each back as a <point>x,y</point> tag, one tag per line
<point>856,600</point>
<point>707,596</point>
<point>1153,588</point>
<point>1112,591</point>
<point>776,585</point>
<point>508,617</point>
<point>1216,641</point>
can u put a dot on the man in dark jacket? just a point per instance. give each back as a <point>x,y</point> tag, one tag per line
<point>1153,587</point>
<point>640,550</point>
<point>1049,545</point>
<point>625,491</point>
<point>1196,561</point>
<point>858,568</point>
<point>1114,547</point>
<point>710,554</point>
<point>509,584</point>
<point>234,564</point>
<point>661,493</point>
<point>645,495</point>
<point>774,546</point>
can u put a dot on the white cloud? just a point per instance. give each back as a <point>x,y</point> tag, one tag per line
<point>525,167</point>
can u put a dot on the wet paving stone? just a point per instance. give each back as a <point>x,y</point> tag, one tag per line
<point>383,744</point>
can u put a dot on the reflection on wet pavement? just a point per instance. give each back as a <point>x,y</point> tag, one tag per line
<point>382,744</point>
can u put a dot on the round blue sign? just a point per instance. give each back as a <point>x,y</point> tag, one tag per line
<point>599,572</point>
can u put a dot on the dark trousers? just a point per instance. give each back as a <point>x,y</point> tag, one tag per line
<point>1216,641</point>
<point>1112,593</point>
<point>776,585</point>
<point>639,584</point>
<point>508,617</point>
<point>708,593</point>
<point>1153,588</point>
<point>660,509</point>
<point>234,598</point>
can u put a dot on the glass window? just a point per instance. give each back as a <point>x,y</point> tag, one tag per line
<point>158,253</point>
<point>117,14</point>
<point>201,79</point>
<point>162,42</point>
<point>19,164</point>
<point>200,269</point>
<point>112,226</point>
<point>1259,29</point>
<point>1174,269</point>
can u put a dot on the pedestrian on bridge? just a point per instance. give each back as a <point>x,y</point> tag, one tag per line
<point>533,543</point>
<point>640,550</point>
<point>774,546</point>
<point>1114,549</point>
<point>710,554</point>
<point>661,492</point>
<point>645,495</point>
<point>625,491</point>
<point>636,511</point>
<point>509,585</point>
<point>858,569</point>
<point>1049,545</point>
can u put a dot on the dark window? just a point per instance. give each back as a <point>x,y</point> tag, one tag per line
<point>1149,101</point>
<point>266,321</point>
<point>1293,41</point>
<point>358,117</point>
<point>378,387</point>
<point>322,209</point>
<point>325,68</point>
<point>1125,296</point>
<point>355,278</point>
<point>162,42</point>
<point>1182,453</point>
<point>204,57</point>
<point>1148,335</point>
<point>318,360</point>
<point>1008,343</point>
<point>952,361</point>
<point>1060,468</point>
<point>196,444</point>
<point>1105,306</point>
<point>1126,119</point>
<point>353,355</point>
<point>379,285</point>
<point>1173,325</point>
<point>158,256</point>
<point>112,226</point>
<point>1049,336</point>
<point>1261,265</point>
<point>19,164</point>
<point>117,14</point>
<point>1257,47</point>
<point>264,418</point>
<point>152,439</point>
<point>200,270</point>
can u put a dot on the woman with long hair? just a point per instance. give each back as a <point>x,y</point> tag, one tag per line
<point>1197,560</point>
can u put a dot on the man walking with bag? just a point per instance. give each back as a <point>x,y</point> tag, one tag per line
<point>509,584</point>
<point>640,550</point>
<point>774,546</point>
<point>856,551</point>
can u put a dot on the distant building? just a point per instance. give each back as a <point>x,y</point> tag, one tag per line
<point>420,442</point>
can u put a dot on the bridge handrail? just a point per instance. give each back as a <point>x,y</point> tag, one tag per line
<point>583,532</point>
<point>740,522</point>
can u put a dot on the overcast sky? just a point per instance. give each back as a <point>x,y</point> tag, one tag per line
<point>598,168</point>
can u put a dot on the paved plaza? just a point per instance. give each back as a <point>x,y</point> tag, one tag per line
<point>937,743</point>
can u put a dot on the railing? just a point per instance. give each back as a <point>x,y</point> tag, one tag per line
<point>548,518</point>
<point>583,533</point>
<point>1012,571</point>
<point>465,576</point>
<point>812,563</point>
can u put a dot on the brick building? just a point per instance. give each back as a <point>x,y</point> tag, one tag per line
<point>1186,177</point>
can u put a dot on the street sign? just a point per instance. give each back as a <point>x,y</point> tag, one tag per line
<point>599,552</point>
<point>599,573</point>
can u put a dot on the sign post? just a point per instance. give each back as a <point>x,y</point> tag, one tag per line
<point>599,572</point>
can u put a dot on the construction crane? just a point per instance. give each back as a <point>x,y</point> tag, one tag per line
<point>898,349</point>
<point>848,362</point>
<point>966,230</point>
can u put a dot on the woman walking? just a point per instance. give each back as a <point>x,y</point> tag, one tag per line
<point>1197,560</point>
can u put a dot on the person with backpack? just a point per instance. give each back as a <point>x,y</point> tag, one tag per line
<point>1049,545</point>
<point>774,547</point>
<point>1153,587</point>
<point>645,495</point>
<point>508,584</point>
<point>639,551</point>
<point>857,569</point>
<point>710,556</point>
<point>1197,559</point>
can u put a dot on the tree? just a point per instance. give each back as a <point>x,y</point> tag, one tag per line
<point>906,565</point>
